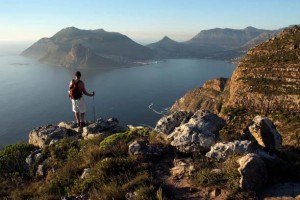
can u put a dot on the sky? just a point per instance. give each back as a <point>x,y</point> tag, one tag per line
<point>144,21</point>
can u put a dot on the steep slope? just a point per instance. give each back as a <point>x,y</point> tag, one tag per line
<point>105,48</point>
<point>268,77</point>
<point>209,97</point>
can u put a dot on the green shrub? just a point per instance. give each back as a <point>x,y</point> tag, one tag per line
<point>12,159</point>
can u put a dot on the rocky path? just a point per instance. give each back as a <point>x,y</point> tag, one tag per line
<point>172,174</point>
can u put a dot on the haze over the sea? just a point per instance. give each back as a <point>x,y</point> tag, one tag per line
<point>143,21</point>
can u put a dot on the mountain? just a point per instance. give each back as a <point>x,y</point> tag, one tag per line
<point>214,43</point>
<point>72,47</point>
<point>168,48</point>
<point>226,39</point>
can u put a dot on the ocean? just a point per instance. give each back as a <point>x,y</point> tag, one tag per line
<point>35,94</point>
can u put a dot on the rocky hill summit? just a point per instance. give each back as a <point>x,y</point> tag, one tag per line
<point>76,48</point>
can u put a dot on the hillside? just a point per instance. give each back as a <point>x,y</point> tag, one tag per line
<point>72,47</point>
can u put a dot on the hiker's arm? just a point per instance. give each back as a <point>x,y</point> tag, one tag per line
<point>85,92</point>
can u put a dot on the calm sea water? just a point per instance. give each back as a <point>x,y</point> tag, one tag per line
<point>35,94</point>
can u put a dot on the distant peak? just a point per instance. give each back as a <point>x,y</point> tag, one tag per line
<point>166,38</point>
<point>99,30</point>
<point>71,28</point>
<point>250,28</point>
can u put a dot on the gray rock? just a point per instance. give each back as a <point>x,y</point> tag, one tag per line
<point>144,149</point>
<point>168,123</point>
<point>86,173</point>
<point>253,171</point>
<point>265,133</point>
<point>182,168</point>
<point>221,151</point>
<point>198,134</point>
<point>34,157</point>
<point>40,172</point>
<point>42,136</point>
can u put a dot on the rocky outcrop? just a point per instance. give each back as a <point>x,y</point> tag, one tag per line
<point>42,136</point>
<point>198,134</point>
<point>265,133</point>
<point>168,123</point>
<point>50,134</point>
<point>208,97</point>
<point>253,171</point>
<point>268,77</point>
<point>221,151</point>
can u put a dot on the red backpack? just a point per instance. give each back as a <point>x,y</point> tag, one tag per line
<point>74,91</point>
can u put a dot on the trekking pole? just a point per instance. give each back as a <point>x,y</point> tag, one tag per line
<point>94,109</point>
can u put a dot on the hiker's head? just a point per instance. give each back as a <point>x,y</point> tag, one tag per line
<point>78,74</point>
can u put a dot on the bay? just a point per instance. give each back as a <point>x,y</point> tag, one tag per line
<point>35,94</point>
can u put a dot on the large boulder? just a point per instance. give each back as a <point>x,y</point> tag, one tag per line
<point>253,171</point>
<point>198,134</point>
<point>168,123</point>
<point>221,150</point>
<point>265,133</point>
<point>42,136</point>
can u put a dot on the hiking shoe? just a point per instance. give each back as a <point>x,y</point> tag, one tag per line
<point>82,124</point>
<point>76,125</point>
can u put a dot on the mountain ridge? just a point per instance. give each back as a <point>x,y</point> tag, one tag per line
<point>114,49</point>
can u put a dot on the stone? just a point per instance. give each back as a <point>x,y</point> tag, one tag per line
<point>265,133</point>
<point>168,123</point>
<point>182,167</point>
<point>253,171</point>
<point>86,173</point>
<point>40,172</point>
<point>289,190</point>
<point>42,136</point>
<point>215,193</point>
<point>34,157</point>
<point>198,134</point>
<point>131,127</point>
<point>221,150</point>
<point>144,149</point>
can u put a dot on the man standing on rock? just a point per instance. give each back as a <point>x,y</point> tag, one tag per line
<point>76,90</point>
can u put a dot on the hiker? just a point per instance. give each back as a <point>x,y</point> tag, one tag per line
<point>76,90</point>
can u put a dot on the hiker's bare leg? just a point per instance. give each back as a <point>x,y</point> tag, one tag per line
<point>77,117</point>
<point>82,120</point>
